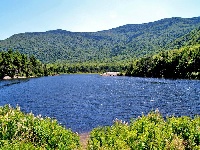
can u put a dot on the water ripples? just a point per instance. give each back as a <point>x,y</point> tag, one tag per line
<point>82,102</point>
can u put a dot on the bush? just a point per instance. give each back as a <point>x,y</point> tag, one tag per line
<point>25,131</point>
<point>148,132</point>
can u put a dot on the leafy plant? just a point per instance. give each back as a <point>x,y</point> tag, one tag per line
<point>148,132</point>
<point>179,63</point>
<point>26,131</point>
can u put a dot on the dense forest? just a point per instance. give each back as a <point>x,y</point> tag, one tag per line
<point>174,51</point>
<point>117,44</point>
<point>183,62</point>
<point>16,65</point>
<point>190,39</point>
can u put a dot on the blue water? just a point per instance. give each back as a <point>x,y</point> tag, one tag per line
<point>82,102</point>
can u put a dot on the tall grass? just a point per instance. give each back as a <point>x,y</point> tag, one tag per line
<point>26,131</point>
<point>148,132</point>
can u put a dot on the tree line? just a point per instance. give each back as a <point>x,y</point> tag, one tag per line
<point>181,63</point>
<point>15,64</point>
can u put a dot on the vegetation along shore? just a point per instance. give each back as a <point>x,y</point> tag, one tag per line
<point>26,131</point>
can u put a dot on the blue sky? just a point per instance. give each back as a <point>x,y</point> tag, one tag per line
<point>19,16</point>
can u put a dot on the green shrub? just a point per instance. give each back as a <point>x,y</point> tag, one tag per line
<point>26,131</point>
<point>148,132</point>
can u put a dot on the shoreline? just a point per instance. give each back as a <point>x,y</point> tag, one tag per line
<point>16,77</point>
<point>84,138</point>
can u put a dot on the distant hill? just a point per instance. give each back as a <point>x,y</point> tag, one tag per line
<point>121,43</point>
<point>192,38</point>
<point>182,60</point>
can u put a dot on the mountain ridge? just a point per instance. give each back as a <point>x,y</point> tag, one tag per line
<point>120,43</point>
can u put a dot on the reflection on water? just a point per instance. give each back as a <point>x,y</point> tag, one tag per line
<point>4,83</point>
<point>82,102</point>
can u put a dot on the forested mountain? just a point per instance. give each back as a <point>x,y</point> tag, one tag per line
<point>121,43</point>
<point>182,62</point>
<point>192,38</point>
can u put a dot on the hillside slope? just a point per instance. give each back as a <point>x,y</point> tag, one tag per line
<point>192,38</point>
<point>182,62</point>
<point>121,43</point>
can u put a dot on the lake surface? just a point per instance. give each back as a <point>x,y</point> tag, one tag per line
<point>82,102</point>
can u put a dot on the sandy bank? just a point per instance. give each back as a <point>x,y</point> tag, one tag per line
<point>84,137</point>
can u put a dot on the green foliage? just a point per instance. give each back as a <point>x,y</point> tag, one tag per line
<point>148,132</point>
<point>25,131</point>
<point>121,43</point>
<point>110,50</point>
<point>86,67</point>
<point>179,63</point>
<point>13,63</point>
<point>182,63</point>
<point>192,38</point>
